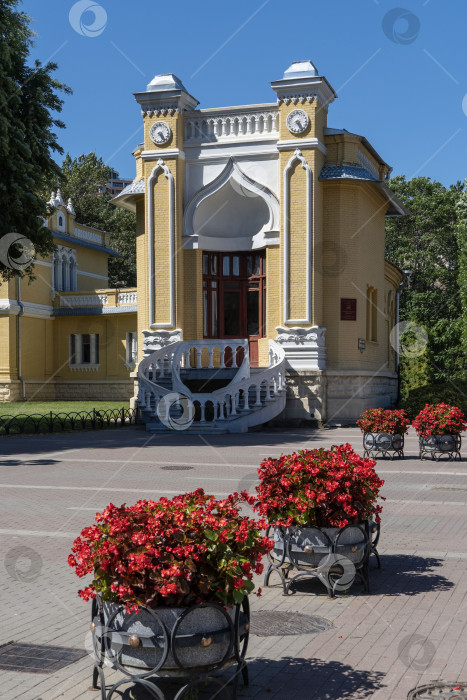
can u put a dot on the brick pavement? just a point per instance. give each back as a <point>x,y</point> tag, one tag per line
<point>410,630</point>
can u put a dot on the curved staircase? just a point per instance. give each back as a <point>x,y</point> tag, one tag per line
<point>209,387</point>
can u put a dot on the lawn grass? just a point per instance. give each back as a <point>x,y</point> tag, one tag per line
<point>63,416</point>
<point>13,408</point>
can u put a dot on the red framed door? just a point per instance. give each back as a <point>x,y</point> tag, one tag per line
<point>234,297</point>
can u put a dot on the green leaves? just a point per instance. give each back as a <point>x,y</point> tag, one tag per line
<point>427,243</point>
<point>29,99</point>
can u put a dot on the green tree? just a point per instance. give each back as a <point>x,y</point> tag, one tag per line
<point>83,180</point>
<point>461,231</point>
<point>425,242</point>
<point>28,100</point>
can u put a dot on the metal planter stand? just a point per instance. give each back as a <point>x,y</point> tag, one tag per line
<point>437,446</point>
<point>111,643</point>
<point>383,445</point>
<point>335,568</point>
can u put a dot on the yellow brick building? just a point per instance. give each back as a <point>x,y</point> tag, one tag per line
<point>262,288</point>
<point>261,223</point>
<point>65,335</point>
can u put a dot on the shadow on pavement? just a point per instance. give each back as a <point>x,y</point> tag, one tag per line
<point>285,679</point>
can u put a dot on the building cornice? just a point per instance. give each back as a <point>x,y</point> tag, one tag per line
<point>292,144</point>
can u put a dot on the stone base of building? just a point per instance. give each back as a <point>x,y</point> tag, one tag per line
<point>335,397</point>
<point>349,392</point>
<point>36,390</point>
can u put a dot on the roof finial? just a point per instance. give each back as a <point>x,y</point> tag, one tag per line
<point>70,208</point>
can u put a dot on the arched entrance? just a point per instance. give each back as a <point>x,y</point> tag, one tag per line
<point>234,297</point>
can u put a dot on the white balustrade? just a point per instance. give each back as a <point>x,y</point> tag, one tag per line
<point>244,394</point>
<point>204,127</point>
<point>127,298</point>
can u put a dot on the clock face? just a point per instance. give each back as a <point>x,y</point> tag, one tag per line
<point>160,133</point>
<point>297,121</point>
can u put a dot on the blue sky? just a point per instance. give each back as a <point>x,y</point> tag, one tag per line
<point>400,71</point>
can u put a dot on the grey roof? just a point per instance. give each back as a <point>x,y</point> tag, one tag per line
<point>137,187</point>
<point>73,240</point>
<point>350,172</point>
<point>125,199</point>
<point>96,310</point>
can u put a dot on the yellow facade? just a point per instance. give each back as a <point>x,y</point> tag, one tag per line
<point>270,190</point>
<point>67,297</point>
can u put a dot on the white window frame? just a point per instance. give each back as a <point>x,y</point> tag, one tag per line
<point>76,359</point>
<point>131,350</point>
<point>64,270</point>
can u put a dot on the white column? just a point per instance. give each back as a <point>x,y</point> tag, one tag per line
<point>93,338</point>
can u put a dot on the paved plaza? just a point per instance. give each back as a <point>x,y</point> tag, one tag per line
<point>411,629</point>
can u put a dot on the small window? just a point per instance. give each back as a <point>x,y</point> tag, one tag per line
<point>84,351</point>
<point>372,314</point>
<point>131,349</point>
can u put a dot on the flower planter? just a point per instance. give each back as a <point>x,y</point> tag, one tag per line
<point>333,555</point>
<point>438,446</point>
<point>383,445</point>
<point>186,643</point>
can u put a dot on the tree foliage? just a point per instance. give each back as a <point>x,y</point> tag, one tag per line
<point>461,231</point>
<point>83,179</point>
<point>426,243</point>
<point>28,100</point>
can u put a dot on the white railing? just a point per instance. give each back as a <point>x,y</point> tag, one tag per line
<point>240,125</point>
<point>127,298</point>
<point>84,300</point>
<point>88,235</point>
<point>153,369</point>
<point>244,395</point>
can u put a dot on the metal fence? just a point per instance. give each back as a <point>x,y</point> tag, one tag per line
<point>62,422</point>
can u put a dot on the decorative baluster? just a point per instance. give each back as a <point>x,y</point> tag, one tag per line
<point>199,357</point>
<point>203,411</point>
<point>211,352</point>
<point>258,395</point>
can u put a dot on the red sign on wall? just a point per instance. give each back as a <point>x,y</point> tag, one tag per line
<point>348,309</point>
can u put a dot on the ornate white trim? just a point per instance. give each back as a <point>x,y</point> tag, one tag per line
<point>297,156</point>
<point>157,110</point>
<point>304,348</point>
<point>158,338</point>
<point>161,166</point>
<point>83,368</point>
<point>289,144</point>
<point>232,172</point>
<point>152,155</point>
<point>11,306</point>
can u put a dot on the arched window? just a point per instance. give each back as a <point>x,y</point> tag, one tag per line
<point>64,274</point>
<point>71,284</point>
<point>57,279</point>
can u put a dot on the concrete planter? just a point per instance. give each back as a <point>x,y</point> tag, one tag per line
<point>329,553</point>
<point>383,445</point>
<point>438,446</point>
